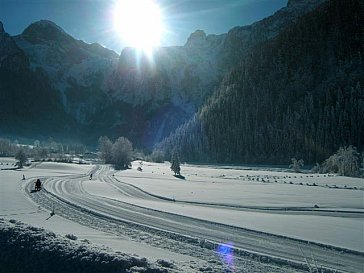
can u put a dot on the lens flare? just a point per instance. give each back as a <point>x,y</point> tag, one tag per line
<point>226,253</point>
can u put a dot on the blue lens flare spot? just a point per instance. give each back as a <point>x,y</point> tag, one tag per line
<point>225,249</point>
<point>226,252</point>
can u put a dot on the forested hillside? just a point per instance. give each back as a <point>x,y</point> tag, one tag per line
<point>299,95</point>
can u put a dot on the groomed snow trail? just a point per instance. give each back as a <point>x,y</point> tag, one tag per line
<point>181,234</point>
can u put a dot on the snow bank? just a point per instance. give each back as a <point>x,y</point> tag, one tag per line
<point>25,248</point>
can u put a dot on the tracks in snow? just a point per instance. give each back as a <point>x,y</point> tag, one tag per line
<point>72,201</point>
<point>140,193</point>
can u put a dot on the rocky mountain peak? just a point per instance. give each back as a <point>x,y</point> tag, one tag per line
<point>45,30</point>
<point>197,39</point>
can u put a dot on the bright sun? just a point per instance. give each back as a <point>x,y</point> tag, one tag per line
<point>139,23</point>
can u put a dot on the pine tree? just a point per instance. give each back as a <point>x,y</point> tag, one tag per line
<point>175,163</point>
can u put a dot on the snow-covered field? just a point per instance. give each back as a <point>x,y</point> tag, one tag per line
<point>216,219</point>
<point>259,200</point>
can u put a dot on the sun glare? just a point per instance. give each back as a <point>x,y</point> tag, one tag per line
<point>139,23</point>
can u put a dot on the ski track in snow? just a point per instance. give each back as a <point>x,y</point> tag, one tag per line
<point>134,191</point>
<point>183,234</point>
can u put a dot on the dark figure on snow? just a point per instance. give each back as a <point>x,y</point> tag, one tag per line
<point>90,176</point>
<point>38,185</point>
<point>23,177</point>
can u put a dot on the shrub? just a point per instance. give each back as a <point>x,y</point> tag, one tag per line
<point>344,162</point>
<point>71,237</point>
<point>296,165</point>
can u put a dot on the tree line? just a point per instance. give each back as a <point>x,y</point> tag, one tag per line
<point>41,150</point>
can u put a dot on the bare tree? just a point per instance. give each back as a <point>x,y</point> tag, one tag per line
<point>157,156</point>
<point>105,147</point>
<point>36,143</point>
<point>296,165</point>
<point>345,162</point>
<point>122,151</point>
<point>21,157</point>
<point>5,147</point>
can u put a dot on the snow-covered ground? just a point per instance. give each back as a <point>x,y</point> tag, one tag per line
<point>152,214</point>
<point>31,249</point>
<point>15,205</point>
<point>276,206</point>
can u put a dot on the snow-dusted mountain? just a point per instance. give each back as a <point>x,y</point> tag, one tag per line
<point>71,65</point>
<point>181,74</point>
<point>145,100</point>
<point>63,58</point>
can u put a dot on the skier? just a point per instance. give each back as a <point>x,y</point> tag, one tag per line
<point>38,185</point>
<point>90,176</point>
<point>23,177</point>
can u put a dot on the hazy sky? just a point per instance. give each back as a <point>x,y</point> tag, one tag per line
<point>92,20</point>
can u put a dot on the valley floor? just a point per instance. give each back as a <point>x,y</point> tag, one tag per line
<point>216,219</point>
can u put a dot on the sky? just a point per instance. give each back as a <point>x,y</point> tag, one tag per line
<point>92,20</point>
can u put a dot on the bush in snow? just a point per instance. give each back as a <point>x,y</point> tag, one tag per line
<point>344,162</point>
<point>71,237</point>
<point>296,165</point>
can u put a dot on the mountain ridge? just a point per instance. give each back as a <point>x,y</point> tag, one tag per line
<point>94,82</point>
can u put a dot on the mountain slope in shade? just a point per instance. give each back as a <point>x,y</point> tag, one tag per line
<point>11,56</point>
<point>28,104</point>
<point>297,95</point>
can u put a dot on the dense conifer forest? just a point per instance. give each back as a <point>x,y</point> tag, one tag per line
<point>299,95</point>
